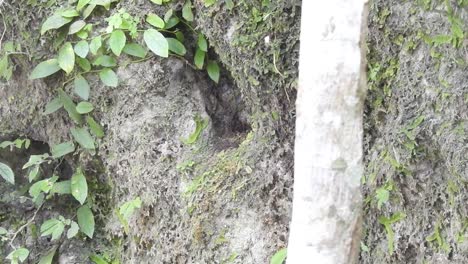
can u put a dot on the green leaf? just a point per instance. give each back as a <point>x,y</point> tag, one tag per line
<point>213,71</point>
<point>70,106</point>
<point>63,187</point>
<point>382,196</point>
<point>279,257</point>
<point>168,15</point>
<point>104,3</point>
<point>86,220</point>
<point>42,186</point>
<point>62,149</point>
<point>79,186</point>
<point>155,20</point>
<point>209,3</point>
<point>88,10</point>
<point>156,42</point>
<point>187,11</point>
<point>199,58</point>
<point>127,209</point>
<point>172,22</point>
<point>82,136</point>
<point>84,107</point>
<point>76,26</point>
<point>66,58</point>
<point>81,4</point>
<point>73,230</point>
<point>81,87</point>
<point>117,41</point>
<point>3,231</point>
<point>108,77</point>
<point>229,4</point>
<point>53,22</point>
<point>35,160</point>
<point>95,127</point>
<point>176,47</point>
<point>180,36</point>
<point>106,61</point>
<point>47,259</point>
<point>45,69</point>
<point>98,259</point>
<point>135,50</point>
<point>21,254</point>
<point>84,64</point>
<point>53,106</point>
<point>52,227</point>
<point>69,13</point>
<point>95,44</point>
<point>82,48</point>
<point>33,173</point>
<point>202,43</point>
<point>158,2</point>
<point>200,124</point>
<point>7,173</point>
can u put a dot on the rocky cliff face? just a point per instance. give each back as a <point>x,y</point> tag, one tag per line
<point>416,133</point>
<point>226,198</point>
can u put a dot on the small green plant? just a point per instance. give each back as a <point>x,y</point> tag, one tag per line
<point>82,52</point>
<point>437,237</point>
<point>387,223</point>
<point>126,211</point>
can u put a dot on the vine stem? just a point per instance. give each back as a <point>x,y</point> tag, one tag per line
<point>185,60</point>
<point>23,227</point>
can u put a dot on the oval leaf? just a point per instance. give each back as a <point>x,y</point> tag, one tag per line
<point>156,42</point>
<point>66,58</point>
<point>21,254</point>
<point>84,107</point>
<point>69,13</point>
<point>79,186</point>
<point>53,22</point>
<point>82,136</point>
<point>62,149</point>
<point>7,173</point>
<point>176,47</point>
<point>95,44</point>
<point>70,106</point>
<point>86,220</point>
<point>187,11</point>
<point>135,50</point>
<point>45,69</point>
<point>84,64</point>
<point>81,87</point>
<point>155,20</point>
<point>213,71</point>
<point>96,129</point>
<point>81,4</point>
<point>109,78</point>
<point>76,26</point>
<point>53,106</point>
<point>106,61</point>
<point>117,41</point>
<point>82,48</point>
<point>47,259</point>
<point>199,59</point>
<point>202,43</point>
<point>73,230</point>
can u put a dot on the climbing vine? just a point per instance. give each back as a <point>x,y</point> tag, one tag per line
<point>83,52</point>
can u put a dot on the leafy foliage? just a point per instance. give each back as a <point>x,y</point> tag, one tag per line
<point>7,173</point>
<point>83,53</point>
